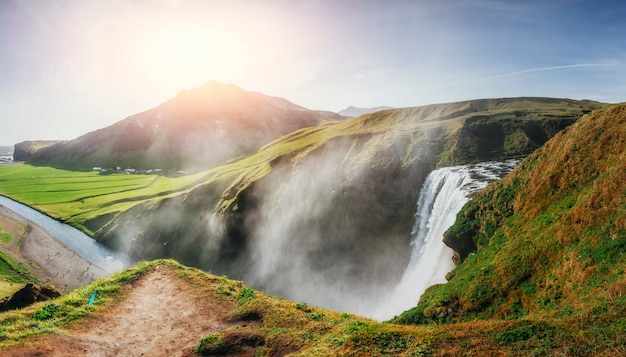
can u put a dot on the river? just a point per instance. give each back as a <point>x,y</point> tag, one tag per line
<point>77,241</point>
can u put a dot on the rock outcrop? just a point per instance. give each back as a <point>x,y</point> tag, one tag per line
<point>27,295</point>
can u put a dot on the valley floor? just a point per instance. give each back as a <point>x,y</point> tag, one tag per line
<point>46,257</point>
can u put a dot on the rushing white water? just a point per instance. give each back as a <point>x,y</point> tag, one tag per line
<point>442,196</point>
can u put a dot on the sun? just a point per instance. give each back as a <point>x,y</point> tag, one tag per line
<point>188,51</point>
<point>188,55</point>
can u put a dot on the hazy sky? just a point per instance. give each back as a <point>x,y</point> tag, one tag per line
<point>71,66</point>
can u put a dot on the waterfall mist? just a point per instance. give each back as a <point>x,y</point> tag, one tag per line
<point>291,254</point>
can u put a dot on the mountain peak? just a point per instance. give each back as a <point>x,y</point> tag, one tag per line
<point>211,87</point>
<point>200,127</point>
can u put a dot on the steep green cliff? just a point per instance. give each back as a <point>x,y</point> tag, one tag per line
<point>550,239</point>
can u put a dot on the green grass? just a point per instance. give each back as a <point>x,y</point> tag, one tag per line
<point>270,326</point>
<point>75,196</point>
<point>12,270</point>
<point>8,288</point>
<point>6,238</point>
<point>6,235</point>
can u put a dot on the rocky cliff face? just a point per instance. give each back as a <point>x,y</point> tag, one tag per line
<point>26,150</point>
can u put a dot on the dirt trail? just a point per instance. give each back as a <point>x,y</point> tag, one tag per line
<point>159,316</point>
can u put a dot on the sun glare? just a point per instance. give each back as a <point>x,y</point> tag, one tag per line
<point>188,50</point>
<point>191,55</point>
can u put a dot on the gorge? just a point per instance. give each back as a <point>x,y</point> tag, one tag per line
<point>280,263</point>
<point>322,214</point>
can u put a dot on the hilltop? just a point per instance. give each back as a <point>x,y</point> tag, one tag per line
<point>197,129</point>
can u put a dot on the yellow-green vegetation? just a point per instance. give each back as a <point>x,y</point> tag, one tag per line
<point>8,231</point>
<point>8,288</point>
<point>6,238</point>
<point>52,316</point>
<point>266,325</point>
<point>551,244</point>
<point>13,275</point>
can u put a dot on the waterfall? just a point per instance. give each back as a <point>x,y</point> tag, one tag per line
<point>442,196</point>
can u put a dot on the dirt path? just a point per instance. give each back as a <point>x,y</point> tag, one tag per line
<point>159,316</point>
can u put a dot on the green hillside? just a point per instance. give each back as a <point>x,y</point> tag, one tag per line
<point>550,242</point>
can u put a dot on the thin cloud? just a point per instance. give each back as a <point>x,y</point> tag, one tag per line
<point>553,68</point>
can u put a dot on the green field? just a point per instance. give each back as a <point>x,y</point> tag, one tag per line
<point>75,196</point>
<point>13,275</point>
<point>6,238</point>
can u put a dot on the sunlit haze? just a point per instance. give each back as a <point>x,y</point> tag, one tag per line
<point>69,67</point>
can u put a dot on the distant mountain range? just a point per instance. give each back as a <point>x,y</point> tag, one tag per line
<point>355,111</point>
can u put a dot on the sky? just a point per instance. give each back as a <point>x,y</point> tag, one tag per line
<point>68,67</point>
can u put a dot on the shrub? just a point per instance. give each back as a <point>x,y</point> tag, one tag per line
<point>46,312</point>
<point>246,294</point>
<point>212,344</point>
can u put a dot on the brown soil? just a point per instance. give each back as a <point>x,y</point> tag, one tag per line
<point>55,264</point>
<point>160,315</point>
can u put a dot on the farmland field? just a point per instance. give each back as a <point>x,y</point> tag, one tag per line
<point>75,196</point>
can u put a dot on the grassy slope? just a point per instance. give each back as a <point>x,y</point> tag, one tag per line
<point>551,239</point>
<point>281,325</point>
<point>13,275</point>
<point>90,201</point>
